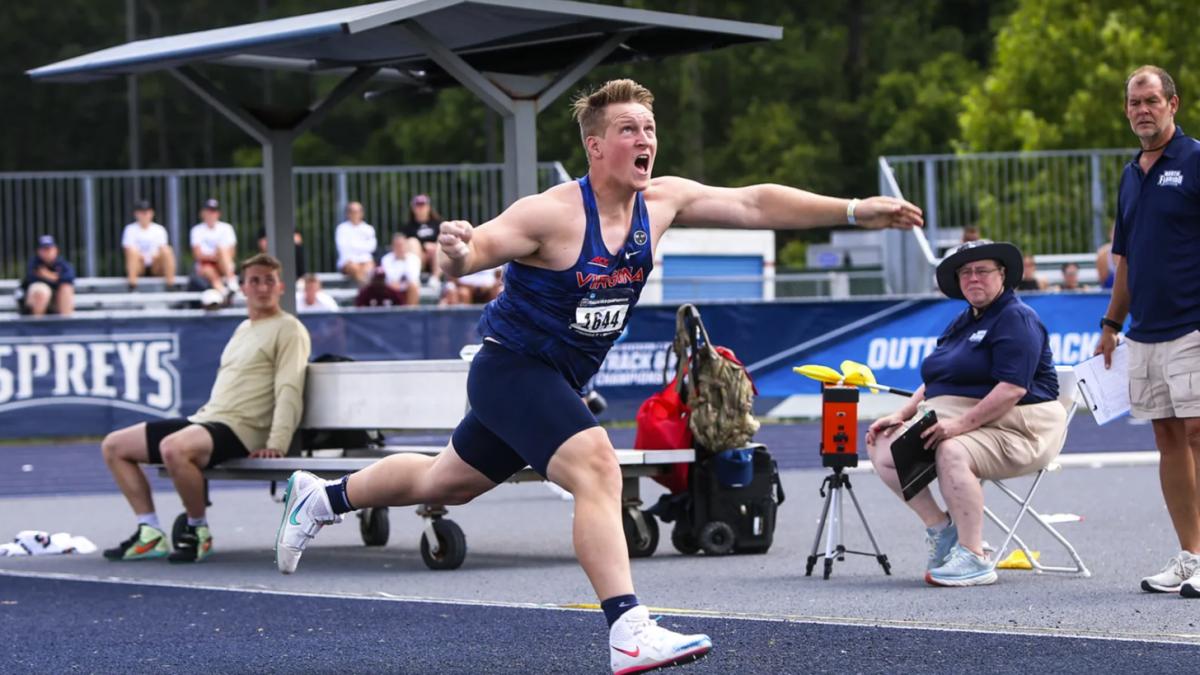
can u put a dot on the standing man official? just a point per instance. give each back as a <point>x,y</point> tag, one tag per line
<point>1158,284</point>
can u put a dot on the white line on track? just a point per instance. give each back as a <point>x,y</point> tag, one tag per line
<point>1190,639</point>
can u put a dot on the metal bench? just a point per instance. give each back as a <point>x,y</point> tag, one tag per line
<point>418,396</point>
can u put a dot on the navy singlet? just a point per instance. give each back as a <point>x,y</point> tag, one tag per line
<point>570,318</point>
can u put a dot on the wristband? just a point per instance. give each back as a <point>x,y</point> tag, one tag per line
<point>1106,322</point>
<point>850,211</point>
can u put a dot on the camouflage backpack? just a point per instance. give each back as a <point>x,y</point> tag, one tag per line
<point>719,392</point>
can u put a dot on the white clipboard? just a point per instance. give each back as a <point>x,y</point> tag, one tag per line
<point>1106,390</point>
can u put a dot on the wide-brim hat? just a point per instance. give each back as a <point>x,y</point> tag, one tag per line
<point>1003,252</point>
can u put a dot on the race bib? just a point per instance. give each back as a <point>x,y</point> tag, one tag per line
<point>603,313</point>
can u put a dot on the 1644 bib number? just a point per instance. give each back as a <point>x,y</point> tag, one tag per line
<point>603,313</point>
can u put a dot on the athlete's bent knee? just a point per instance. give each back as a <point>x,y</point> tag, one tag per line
<point>595,471</point>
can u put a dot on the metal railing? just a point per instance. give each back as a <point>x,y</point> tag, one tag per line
<point>1049,202</point>
<point>86,211</point>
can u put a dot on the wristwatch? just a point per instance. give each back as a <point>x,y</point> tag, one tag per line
<point>1106,322</point>
<point>850,212</point>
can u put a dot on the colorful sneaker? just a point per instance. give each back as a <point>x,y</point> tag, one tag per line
<point>639,644</point>
<point>193,545</point>
<point>940,542</point>
<point>1179,569</point>
<point>305,511</point>
<point>962,568</point>
<point>145,544</point>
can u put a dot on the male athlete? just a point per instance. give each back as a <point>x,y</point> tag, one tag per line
<point>573,274</point>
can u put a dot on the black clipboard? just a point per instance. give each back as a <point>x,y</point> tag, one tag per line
<point>915,464</point>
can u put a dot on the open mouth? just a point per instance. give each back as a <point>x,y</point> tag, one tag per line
<point>642,162</point>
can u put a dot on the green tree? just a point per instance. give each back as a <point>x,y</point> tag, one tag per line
<point>1058,77</point>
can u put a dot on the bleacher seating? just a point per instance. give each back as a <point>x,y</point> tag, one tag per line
<point>103,295</point>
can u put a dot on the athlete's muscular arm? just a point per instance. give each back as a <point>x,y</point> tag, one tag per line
<point>776,207</point>
<point>464,249</point>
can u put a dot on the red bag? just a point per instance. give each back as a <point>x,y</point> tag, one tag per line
<point>662,424</point>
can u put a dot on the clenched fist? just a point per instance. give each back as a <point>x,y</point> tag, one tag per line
<point>454,237</point>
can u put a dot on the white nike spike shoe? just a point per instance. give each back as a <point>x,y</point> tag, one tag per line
<point>305,511</point>
<point>638,644</point>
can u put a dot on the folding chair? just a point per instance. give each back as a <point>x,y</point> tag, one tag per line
<point>1068,394</point>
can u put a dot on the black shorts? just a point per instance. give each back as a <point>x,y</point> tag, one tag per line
<point>522,410</point>
<point>225,443</point>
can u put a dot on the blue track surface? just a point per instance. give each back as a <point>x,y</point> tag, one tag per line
<point>79,469</point>
<point>60,626</point>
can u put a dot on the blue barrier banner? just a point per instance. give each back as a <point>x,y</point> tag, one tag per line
<point>86,377</point>
<point>895,346</point>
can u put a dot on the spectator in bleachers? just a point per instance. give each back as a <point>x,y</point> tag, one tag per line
<point>356,244</point>
<point>1106,267</point>
<point>970,233</point>
<point>1070,279</point>
<point>422,231</point>
<point>312,298</point>
<point>478,288</point>
<point>49,284</point>
<point>378,293</point>
<point>402,267</point>
<point>147,250</point>
<point>214,246</point>
<point>297,241</point>
<point>1030,281</point>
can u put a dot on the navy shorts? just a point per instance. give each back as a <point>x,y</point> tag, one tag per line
<point>522,410</point>
<point>225,443</point>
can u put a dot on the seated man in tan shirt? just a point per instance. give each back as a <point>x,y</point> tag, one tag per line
<point>256,402</point>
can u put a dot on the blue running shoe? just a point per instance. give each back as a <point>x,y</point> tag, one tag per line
<point>962,568</point>
<point>940,542</point>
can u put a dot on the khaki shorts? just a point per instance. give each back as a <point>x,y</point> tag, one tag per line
<point>1024,440</point>
<point>1164,378</point>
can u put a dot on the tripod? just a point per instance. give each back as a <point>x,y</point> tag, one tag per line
<point>832,526</point>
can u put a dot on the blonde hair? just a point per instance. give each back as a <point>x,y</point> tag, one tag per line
<point>588,108</point>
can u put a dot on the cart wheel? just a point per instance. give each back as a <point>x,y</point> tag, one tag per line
<point>452,546</point>
<point>685,542</point>
<point>374,526</point>
<point>644,548</point>
<point>177,529</point>
<point>717,538</point>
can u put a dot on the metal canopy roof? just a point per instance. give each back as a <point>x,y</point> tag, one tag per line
<point>509,36</point>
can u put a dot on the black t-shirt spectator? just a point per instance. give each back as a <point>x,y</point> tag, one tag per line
<point>64,270</point>
<point>425,233</point>
<point>301,268</point>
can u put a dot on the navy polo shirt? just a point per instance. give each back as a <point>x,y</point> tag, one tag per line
<point>1158,232</point>
<point>1007,343</point>
<point>64,270</point>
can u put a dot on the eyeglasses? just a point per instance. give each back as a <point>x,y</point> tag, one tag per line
<point>981,272</point>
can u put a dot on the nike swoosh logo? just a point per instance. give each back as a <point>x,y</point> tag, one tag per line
<point>630,254</point>
<point>637,651</point>
<point>147,547</point>
<point>296,510</point>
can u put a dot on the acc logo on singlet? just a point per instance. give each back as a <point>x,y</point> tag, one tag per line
<point>133,371</point>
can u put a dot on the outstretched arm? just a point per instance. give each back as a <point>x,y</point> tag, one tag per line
<point>776,207</point>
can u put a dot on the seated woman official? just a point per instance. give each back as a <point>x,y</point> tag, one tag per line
<point>992,383</point>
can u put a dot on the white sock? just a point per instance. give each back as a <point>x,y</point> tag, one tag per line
<point>150,519</point>
<point>942,525</point>
<point>197,522</point>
